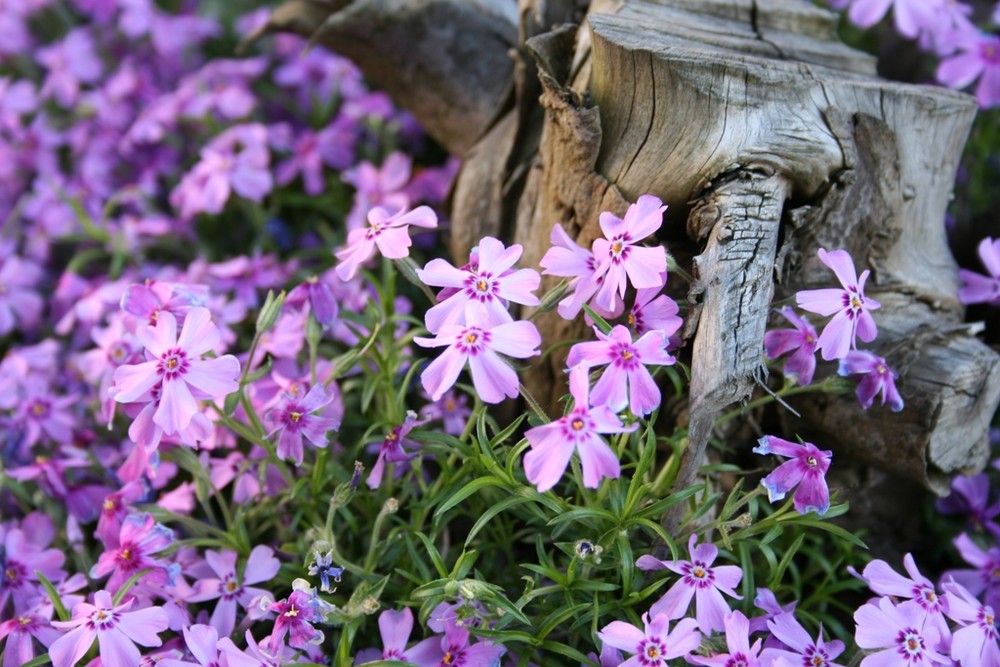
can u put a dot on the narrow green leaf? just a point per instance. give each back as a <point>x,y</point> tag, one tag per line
<point>57,602</point>
<point>129,583</point>
<point>469,489</point>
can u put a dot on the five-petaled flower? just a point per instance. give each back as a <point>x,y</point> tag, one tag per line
<point>655,644</point>
<point>977,288</point>
<point>877,376</point>
<point>800,342</point>
<point>807,469</point>
<point>385,231</point>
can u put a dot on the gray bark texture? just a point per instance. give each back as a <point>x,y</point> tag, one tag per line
<point>767,138</point>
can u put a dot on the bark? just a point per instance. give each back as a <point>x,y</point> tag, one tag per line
<point>767,138</point>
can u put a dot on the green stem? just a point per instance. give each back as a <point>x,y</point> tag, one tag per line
<point>788,390</point>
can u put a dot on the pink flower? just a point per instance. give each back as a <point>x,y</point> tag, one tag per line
<point>479,344</point>
<point>175,367</point>
<point>655,644</point>
<point>699,581</point>
<point>229,588</point>
<point>738,642</point>
<point>901,632</point>
<point>20,303</point>
<point>882,579</point>
<point>139,539</point>
<point>300,416</point>
<point>975,642</point>
<point>621,260</point>
<point>978,58</point>
<point>295,616</point>
<point>982,580</point>
<point>452,408</point>
<point>877,376</point>
<point>455,649</point>
<point>852,319</point>
<point>653,311</point>
<point>22,559</point>
<point>977,288</point>
<point>912,16</point>
<point>807,469</point>
<point>395,628</point>
<point>387,232</point>
<point>553,444</point>
<point>568,260</point>
<point>488,281</point>
<point>627,381</point>
<point>800,341</point>
<point>19,631</point>
<point>391,450</point>
<point>802,649</point>
<point>378,186</point>
<point>116,629</point>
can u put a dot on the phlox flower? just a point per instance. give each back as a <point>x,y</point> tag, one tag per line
<point>626,381</point>
<point>877,376</point>
<point>911,16</point>
<point>975,642</point>
<point>294,618</point>
<point>378,186</point>
<point>801,648</point>
<point>655,644</point>
<point>801,342</point>
<point>42,412</point>
<point>319,296</point>
<point>970,497</point>
<point>247,275</point>
<point>699,581</point>
<point>553,444</point>
<point>202,642</point>
<point>653,311</point>
<point>454,649</point>
<point>323,567</point>
<point>139,539</point>
<point>452,408</point>
<point>479,344</point>
<point>738,642</point>
<point>116,628</point>
<point>882,579</point>
<point>256,654</point>
<point>489,281</point>
<point>568,260</point>
<point>230,588</point>
<point>22,558</point>
<point>766,601</point>
<point>395,628</point>
<point>19,632</point>
<point>175,367</point>
<point>977,288</point>
<point>978,58</point>
<point>984,578</point>
<point>20,303</point>
<point>391,450</point>
<point>147,300</point>
<point>385,231</point>
<point>620,259</point>
<point>302,416</point>
<point>806,469</point>
<point>70,63</point>
<point>902,634</point>
<point>849,307</point>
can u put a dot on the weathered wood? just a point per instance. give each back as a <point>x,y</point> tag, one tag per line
<point>756,127</point>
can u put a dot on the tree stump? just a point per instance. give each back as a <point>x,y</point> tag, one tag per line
<point>767,138</point>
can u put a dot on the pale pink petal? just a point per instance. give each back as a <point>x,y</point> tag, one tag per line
<point>838,334</point>
<point>593,353</point>
<point>623,636</point>
<point>545,463</point>
<point>822,301</point>
<point>644,395</point>
<point>449,312</point>
<point>611,389</point>
<point>217,378</point>
<point>134,381</point>
<point>395,628</point>
<point>645,266</point>
<point>611,225</point>
<point>644,217</point>
<point>68,649</point>
<point>961,70</point>
<point>866,328</point>
<point>161,337</point>
<point>518,286</point>
<point>177,407</point>
<point>866,13</point>
<point>116,649</point>
<point>989,255</point>
<point>598,461</point>
<point>675,602</point>
<point>442,373</point>
<point>439,273</point>
<point>421,216</point>
<point>493,379</point>
<point>261,565</point>
<point>518,339</point>
<point>199,334</point>
<point>394,242</point>
<point>493,257</point>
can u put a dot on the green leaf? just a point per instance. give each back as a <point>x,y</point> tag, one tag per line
<point>43,659</point>
<point>129,583</point>
<point>779,572</point>
<point>57,602</point>
<point>466,491</point>
<point>434,554</point>
<point>505,504</point>
<point>601,323</point>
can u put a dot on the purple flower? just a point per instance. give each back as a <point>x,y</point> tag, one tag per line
<point>984,578</point>
<point>553,444</point>
<point>116,628</point>
<point>700,581</point>
<point>802,649</point>
<point>387,232</point>
<point>882,579</point>
<point>323,567</point>
<point>452,408</point>
<point>20,303</point>
<point>978,58</point>
<point>901,634</point>
<point>620,260</point>
<point>653,311</point>
<point>139,539</point>
<point>800,341</point>
<point>21,559</point>
<point>852,319</point>
<point>395,628</point>
<point>627,381</point>
<point>455,649</point>
<point>911,16</point>
<point>738,642</point>
<point>807,469</point>
<point>977,288</point>
<point>479,344</point>
<point>970,496</point>
<point>391,449</point>
<point>297,417</point>
<point>71,63</point>
<point>202,642</point>
<point>655,644</point>
<point>230,588</point>
<point>766,601</point>
<point>975,643</point>
<point>488,281</point>
<point>320,298</point>
<point>176,369</point>
<point>568,260</point>
<point>877,377</point>
<point>19,631</point>
<point>378,186</point>
<point>295,616</point>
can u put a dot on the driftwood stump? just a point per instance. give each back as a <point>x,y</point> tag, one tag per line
<point>767,137</point>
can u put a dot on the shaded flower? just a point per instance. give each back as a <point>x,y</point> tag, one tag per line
<point>653,311</point>
<point>387,232</point>
<point>802,649</point>
<point>882,579</point>
<point>655,644</point>
<point>568,260</point>
<point>140,537</point>
<point>806,469</point>
<point>452,408</point>
<point>738,642</point>
<point>323,567</point>
<point>391,449</point>
<point>304,416</point>
<point>975,642</point>
<point>230,588</point>
<point>801,342</point>
<point>395,628</point>
<point>977,288</point>
<point>877,376</point>
<point>978,58</point>
<point>294,618</point>
<point>984,577</point>
<point>849,307</point>
<point>901,634</point>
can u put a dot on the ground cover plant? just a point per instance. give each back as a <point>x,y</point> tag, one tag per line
<point>253,415</point>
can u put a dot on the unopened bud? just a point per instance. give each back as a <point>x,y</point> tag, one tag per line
<point>369,605</point>
<point>391,506</point>
<point>270,311</point>
<point>552,298</point>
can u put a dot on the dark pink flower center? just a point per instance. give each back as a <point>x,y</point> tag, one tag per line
<point>910,644</point>
<point>697,574</point>
<point>128,557</point>
<point>102,619</point>
<point>39,408</point>
<point>173,363</point>
<point>926,597</point>
<point>619,249</point>
<point>577,425</point>
<point>625,356</point>
<point>454,656</point>
<point>738,660</point>
<point>987,621</point>
<point>14,574</point>
<point>481,286</point>
<point>472,341</point>
<point>815,657</point>
<point>229,588</point>
<point>651,651</point>
<point>119,352</point>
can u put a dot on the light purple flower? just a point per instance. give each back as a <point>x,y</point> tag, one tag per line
<point>766,601</point>
<point>116,628</point>
<point>395,628</point>
<point>389,232</point>
<point>882,579</point>
<point>71,63</point>
<point>619,257</point>
<point>975,642</point>
<point>807,469</point>
<point>970,497</point>
<point>877,376</point>
<point>378,186</point>
<point>452,408</point>
<point>319,296</point>
<point>298,417</point>
<point>984,578</point>
<point>655,644</point>
<point>202,642</point>
<point>911,16</point>
<point>479,344</point>
<point>23,558</point>
<point>175,367</point>
<point>231,589</point>
<point>20,303</point>
<point>489,281</point>
<point>19,631</point>
<point>553,444</point>
<point>140,537</point>
<point>568,260</point>
<point>852,319</point>
<point>901,633</point>
<point>801,342</point>
<point>294,617</point>
<point>738,643</point>
<point>978,58</point>
<point>455,649</point>
<point>627,381</point>
<point>801,648</point>
<point>653,311</point>
<point>699,581</point>
<point>977,288</point>
<point>391,450</point>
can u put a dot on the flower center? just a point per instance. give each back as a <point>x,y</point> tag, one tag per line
<point>295,416</point>
<point>911,644</point>
<point>173,363</point>
<point>24,620</point>
<point>39,408</point>
<point>855,302</point>
<point>292,612</point>
<point>811,461</point>
<point>448,658</point>
<point>102,618</point>
<point>471,338</point>
<point>616,248</point>
<point>698,573</point>
<point>577,424</point>
<point>627,355</point>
